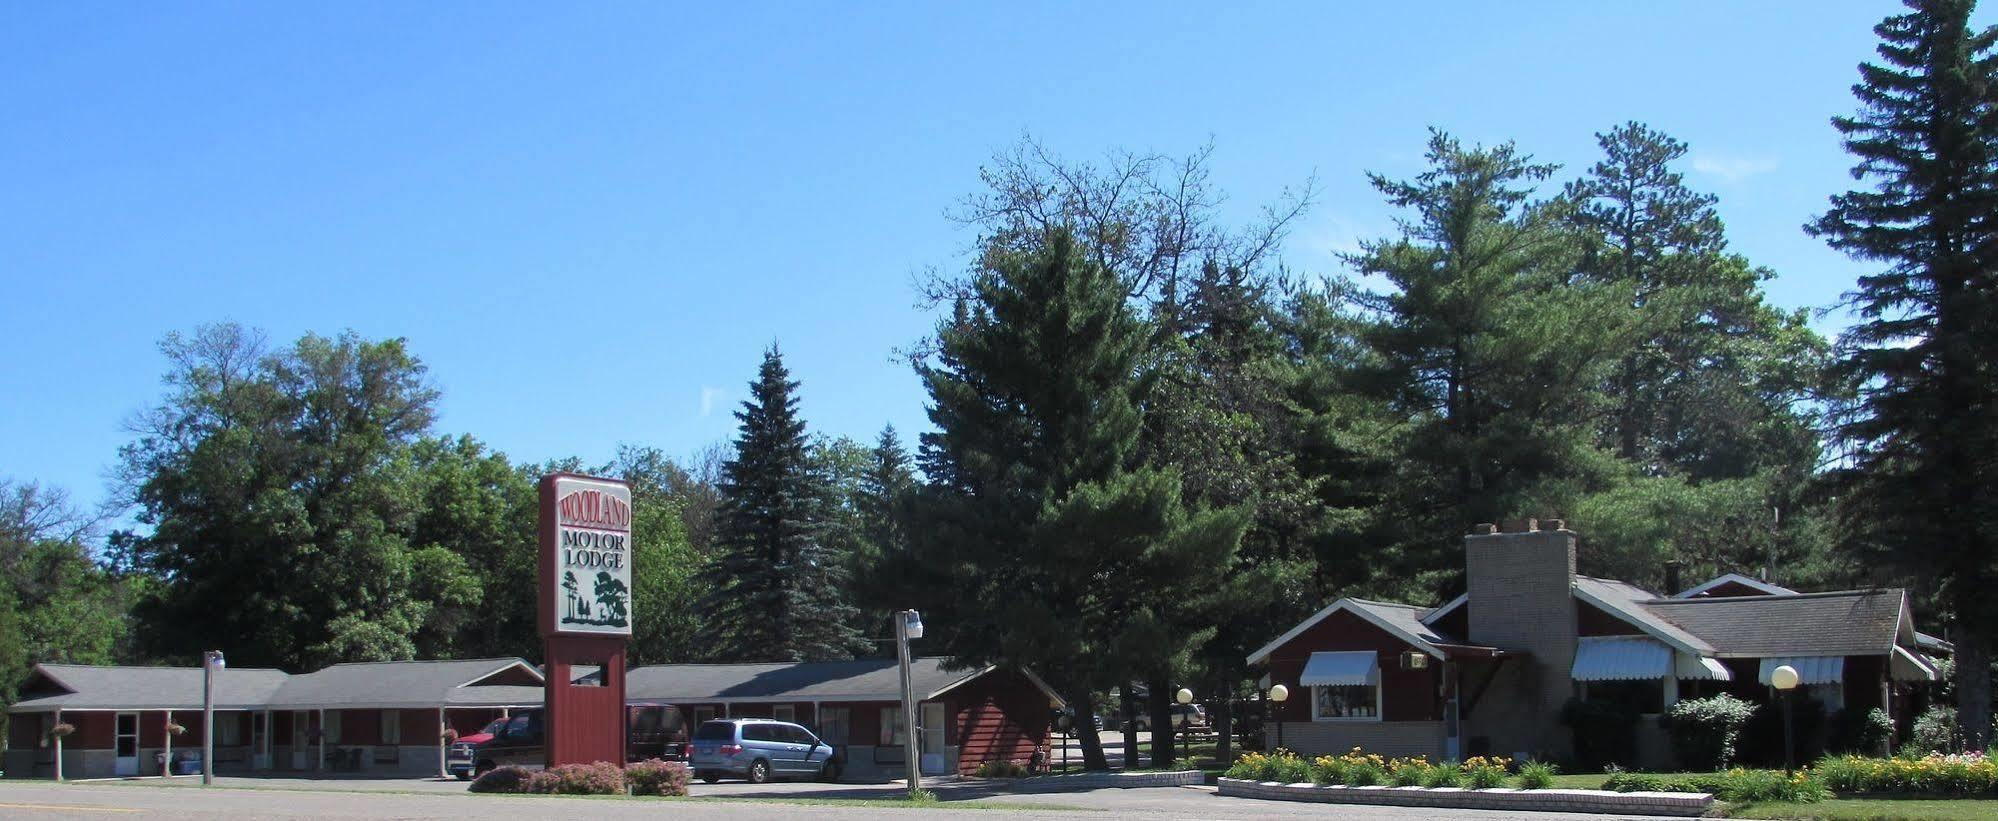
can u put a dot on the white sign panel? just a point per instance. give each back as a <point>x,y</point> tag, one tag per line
<point>592,557</point>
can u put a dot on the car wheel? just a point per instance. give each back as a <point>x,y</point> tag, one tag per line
<point>464,776</point>
<point>759,771</point>
<point>830,772</point>
<point>708,776</point>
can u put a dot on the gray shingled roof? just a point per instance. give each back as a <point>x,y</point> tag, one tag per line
<point>1407,617</point>
<point>1847,623</point>
<point>88,687</point>
<point>1632,604</point>
<point>405,684</point>
<point>858,680</point>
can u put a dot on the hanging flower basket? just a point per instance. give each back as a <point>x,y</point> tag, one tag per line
<point>61,730</point>
<point>449,736</point>
<point>175,729</point>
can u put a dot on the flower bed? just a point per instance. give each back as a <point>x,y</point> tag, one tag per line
<point>653,777</point>
<point>1585,801</point>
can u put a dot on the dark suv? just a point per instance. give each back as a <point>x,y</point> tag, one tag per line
<point>651,731</point>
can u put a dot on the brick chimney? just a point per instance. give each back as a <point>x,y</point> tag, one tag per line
<point>1521,579</point>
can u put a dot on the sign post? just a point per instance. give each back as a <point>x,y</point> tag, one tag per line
<point>585,615</point>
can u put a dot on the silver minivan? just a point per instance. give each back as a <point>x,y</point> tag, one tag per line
<point>759,749</point>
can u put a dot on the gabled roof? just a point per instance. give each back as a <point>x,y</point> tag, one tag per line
<point>857,680</point>
<point>1628,602</point>
<point>91,687</point>
<point>1404,621</point>
<point>395,684</point>
<point>1437,614</point>
<point>1735,578</point>
<point>1844,623</point>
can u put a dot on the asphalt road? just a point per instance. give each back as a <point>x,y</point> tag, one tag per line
<point>150,799</point>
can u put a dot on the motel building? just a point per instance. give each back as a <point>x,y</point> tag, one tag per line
<point>387,719</point>
<point>1489,672</point>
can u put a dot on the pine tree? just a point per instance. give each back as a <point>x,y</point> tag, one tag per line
<point>777,589</point>
<point>1043,542</point>
<point>1922,361</point>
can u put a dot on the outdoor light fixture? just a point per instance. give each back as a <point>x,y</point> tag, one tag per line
<point>1414,660</point>
<point>915,624</point>
<point>211,663</point>
<point>1184,695</point>
<point>1784,679</point>
<point>1279,694</point>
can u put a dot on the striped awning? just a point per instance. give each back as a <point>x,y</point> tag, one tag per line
<point>1688,666</point>
<point>1810,669</point>
<point>1340,669</point>
<point>1620,658</point>
<point>1907,666</point>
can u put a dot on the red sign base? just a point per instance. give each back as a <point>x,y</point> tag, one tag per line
<point>585,724</point>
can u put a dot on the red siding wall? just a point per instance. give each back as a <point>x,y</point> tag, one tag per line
<point>1590,621</point>
<point>999,717</point>
<point>1406,695</point>
<point>24,731</point>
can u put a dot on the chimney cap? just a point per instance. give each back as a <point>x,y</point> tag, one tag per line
<point>1527,525</point>
<point>1483,529</point>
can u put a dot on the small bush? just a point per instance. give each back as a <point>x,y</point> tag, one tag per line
<point>1327,769</point>
<point>1254,766</point>
<point>1001,769</point>
<point>1861,731</point>
<point>1934,732</point>
<point>1365,774</point>
<point>1290,769</point>
<point>600,778</point>
<point>1705,730</point>
<point>1604,731</point>
<point>656,777</point>
<point>1536,775</point>
<point>503,780</point>
<point>1484,773</point>
<point>922,797</point>
<point>1446,774</point>
<point>1736,785</point>
<point>1409,772</point>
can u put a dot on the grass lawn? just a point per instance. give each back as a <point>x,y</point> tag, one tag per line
<point>1875,809</point>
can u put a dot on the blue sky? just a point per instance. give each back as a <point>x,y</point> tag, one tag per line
<point>516,188</point>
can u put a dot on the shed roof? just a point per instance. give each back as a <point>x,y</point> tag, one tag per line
<point>411,684</point>
<point>856,680</point>
<point>91,687</point>
<point>1844,623</point>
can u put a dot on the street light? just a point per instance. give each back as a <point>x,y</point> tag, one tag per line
<point>908,625</point>
<point>211,663</point>
<point>1185,697</point>
<point>1784,679</point>
<point>1279,694</point>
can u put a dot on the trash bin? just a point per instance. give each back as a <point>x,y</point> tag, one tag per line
<point>190,763</point>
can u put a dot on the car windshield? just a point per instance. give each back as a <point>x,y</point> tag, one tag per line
<point>494,727</point>
<point>715,731</point>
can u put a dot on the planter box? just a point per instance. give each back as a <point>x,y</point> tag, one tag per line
<point>1588,801</point>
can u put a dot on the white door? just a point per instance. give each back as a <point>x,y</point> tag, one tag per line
<point>301,729</point>
<point>127,741</point>
<point>932,739</point>
<point>260,755</point>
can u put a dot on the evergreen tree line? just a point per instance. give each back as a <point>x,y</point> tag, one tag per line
<point>1152,447</point>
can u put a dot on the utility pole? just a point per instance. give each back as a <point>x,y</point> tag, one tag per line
<point>909,625</point>
<point>211,663</point>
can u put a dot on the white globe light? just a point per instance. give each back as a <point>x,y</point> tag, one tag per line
<point>1783,678</point>
<point>1279,693</point>
<point>1185,696</point>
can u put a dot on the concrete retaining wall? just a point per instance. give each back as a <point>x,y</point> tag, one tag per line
<point>1590,801</point>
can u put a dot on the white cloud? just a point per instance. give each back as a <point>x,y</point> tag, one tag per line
<point>1731,169</point>
<point>708,397</point>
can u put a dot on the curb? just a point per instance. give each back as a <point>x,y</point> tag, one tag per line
<point>1092,781</point>
<point>1589,801</point>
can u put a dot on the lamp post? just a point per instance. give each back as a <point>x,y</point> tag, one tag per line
<point>1278,695</point>
<point>1784,679</point>
<point>909,625</point>
<point>211,663</point>
<point>1185,697</point>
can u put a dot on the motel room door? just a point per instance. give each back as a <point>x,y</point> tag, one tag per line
<point>301,732</point>
<point>260,757</point>
<point>127,745</point>
<point>932,739</point>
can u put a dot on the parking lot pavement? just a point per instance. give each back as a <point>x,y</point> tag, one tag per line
<point>736,802</point>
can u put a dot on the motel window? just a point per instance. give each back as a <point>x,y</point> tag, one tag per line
<point>784,712</point>
<point>391,727</point>
<point>834,723</point>
<point>1644,696</point>
<point>228,730</point>
<point>1831,695</point>
<point>1344,702</point>
<point>703,715</point>
<point>332,726</point>
<point>48,726</point>
<point>892,734</point>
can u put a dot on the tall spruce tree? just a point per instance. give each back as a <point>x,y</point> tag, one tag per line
<point>1922,361</point>
<point>776,586</point>
<point>1042,542</point>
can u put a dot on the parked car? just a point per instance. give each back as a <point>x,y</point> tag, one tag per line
<point>1190,714</point>
<point>758,750</point>
<point>651,731</point>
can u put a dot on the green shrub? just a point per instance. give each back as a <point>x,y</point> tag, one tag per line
<point>1364,774</point>
<point>1484,773</point>
<point>1536,775</point>
<point>1409,772</point>
<point>1937,775</point>
<point>1605,732</point>
<point>1327,769</point>
<point>600,778</point>
<point>1934,732</point>
<point>1620,781</point>
<point>1001,769</point>
<point>1861,731</point>
<point>1704,730</point>
<point>1446,774</point>
<point>656,777</point>
<point>1736,785</point>
<point>1253,766</point>
<point>1290,769</point>
<point>502,780</point>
